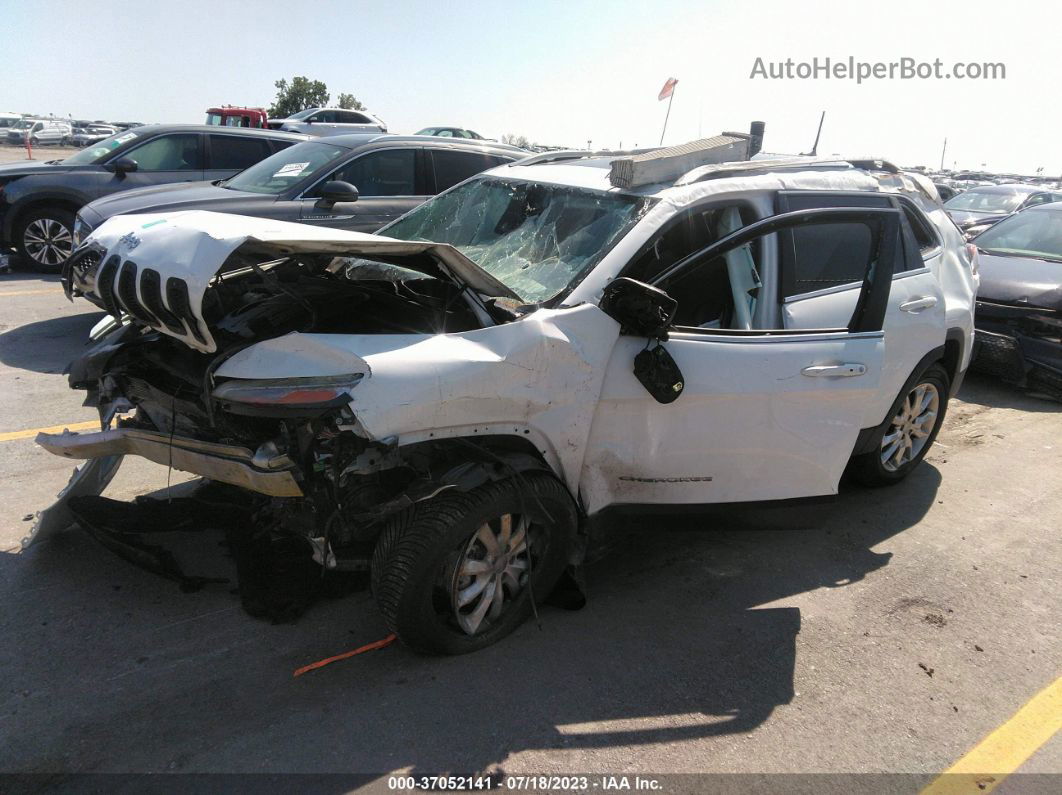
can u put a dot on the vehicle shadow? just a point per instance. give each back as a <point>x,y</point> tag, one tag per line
<point>672,645</point>
<point>986,390</point>
<point>47,346</point>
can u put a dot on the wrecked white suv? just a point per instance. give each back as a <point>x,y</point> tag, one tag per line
<point>452,403</point>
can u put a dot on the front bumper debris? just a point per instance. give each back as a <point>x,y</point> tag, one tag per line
<point>225,463</point>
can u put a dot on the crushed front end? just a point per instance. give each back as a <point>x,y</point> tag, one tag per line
<point>1020,344</point>
<point>290,442</point>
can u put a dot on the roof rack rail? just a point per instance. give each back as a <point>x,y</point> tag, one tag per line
<point>576,154</point>
<point>721,170</point>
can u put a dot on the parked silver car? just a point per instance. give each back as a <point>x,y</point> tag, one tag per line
<point>39,132</point>
<point>92,134</point>
<point>329,121</point>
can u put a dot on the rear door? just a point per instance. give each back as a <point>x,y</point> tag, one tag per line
<point>765,413</point>
<point>171,157</point>
<point>821,287</point>
<point>390,183</point>
<point>228,155</point>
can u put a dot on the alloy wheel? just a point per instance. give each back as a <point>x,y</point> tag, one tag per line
<point>910,427</point>
<point>492,571</point>
<point>48,241</point>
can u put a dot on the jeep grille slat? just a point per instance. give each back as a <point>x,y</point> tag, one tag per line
<point>151,293</point>
<point>105,285</point>
<point>177,298</point>
<point>127,294</point>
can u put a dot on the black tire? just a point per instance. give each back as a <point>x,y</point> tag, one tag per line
<point>868,468</point>
<point>48,259</point>
<point>1046,383</point>
<point>419,549</point>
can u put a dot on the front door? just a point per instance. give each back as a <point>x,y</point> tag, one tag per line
<point>764,414</point>
<point>176,157</point>
<point>389,181</point>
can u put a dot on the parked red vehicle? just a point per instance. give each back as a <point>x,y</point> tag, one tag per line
<point>236,116</point>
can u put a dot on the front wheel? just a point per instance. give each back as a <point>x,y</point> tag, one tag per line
<point>45,238</point>
<point>457,573</point>
<point>914,422</point>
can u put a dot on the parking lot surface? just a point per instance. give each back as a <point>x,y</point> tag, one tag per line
<point>881,631</point>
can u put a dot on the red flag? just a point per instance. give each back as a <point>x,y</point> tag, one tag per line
<point>668,88</point>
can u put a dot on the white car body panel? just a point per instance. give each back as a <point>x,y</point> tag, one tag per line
<point>749,425</point>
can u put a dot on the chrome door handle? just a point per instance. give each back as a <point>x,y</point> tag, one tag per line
<point>835,370</point>
<point>918,304</point>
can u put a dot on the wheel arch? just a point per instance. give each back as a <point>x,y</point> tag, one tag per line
<point>14,218</point>
<point>952,358</point>
<point>942,353</point>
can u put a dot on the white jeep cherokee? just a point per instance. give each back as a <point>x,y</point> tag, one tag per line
<point>450,403</point>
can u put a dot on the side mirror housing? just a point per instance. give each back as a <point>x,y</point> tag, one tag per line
<point>335,191</point>
<point>124,165</point>
<point>640,309</point>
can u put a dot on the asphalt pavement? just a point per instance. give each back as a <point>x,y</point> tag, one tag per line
<point>879,632</point>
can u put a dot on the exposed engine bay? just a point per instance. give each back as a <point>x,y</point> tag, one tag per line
<point>304,468</point>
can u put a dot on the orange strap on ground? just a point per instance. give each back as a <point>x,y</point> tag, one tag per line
<point>376,644</point>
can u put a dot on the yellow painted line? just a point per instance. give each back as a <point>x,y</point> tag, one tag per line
<point>1005,749</point>
<point>73,426</point>
<point>53,291</point>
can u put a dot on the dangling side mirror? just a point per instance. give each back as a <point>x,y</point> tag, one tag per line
<point>646,311</point>
<point>641,310</point>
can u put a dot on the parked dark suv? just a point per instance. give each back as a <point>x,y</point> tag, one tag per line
<point>38,200</point>
<point>357,182</point>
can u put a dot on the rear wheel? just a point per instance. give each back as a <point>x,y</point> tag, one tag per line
<point>45,238</point>
<point>914,422</point>
<point>459,572</point>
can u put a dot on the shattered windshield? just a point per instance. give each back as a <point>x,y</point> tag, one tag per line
<point>534,238</point>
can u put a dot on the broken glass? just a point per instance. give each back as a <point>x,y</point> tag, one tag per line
<point>535,238</point>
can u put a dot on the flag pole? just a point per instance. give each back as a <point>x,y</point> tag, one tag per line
<point>670,99</point>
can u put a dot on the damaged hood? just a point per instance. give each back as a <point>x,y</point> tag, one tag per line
<point>1020,280</point>
<point>161,265</point>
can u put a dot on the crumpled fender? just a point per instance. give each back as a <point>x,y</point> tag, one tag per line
<point>538,378</point>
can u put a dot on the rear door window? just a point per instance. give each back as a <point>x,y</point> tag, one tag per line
<point>452,167</point>
<point>388,172</point>
<point>231,152</point>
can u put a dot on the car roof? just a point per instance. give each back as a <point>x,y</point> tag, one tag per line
<point>776,173</point>
<point>1013,187</point>
<point>354,140</point>
<point>250,132</point>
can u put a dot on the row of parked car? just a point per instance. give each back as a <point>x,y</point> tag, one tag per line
<point>273,174</point>
<point>22,130</point>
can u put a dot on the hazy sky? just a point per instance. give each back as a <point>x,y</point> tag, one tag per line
<point>564,72</point>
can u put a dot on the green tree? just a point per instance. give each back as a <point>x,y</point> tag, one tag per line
<point>517,140</point>
<point>348,102</point>
<point>301,94</point>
